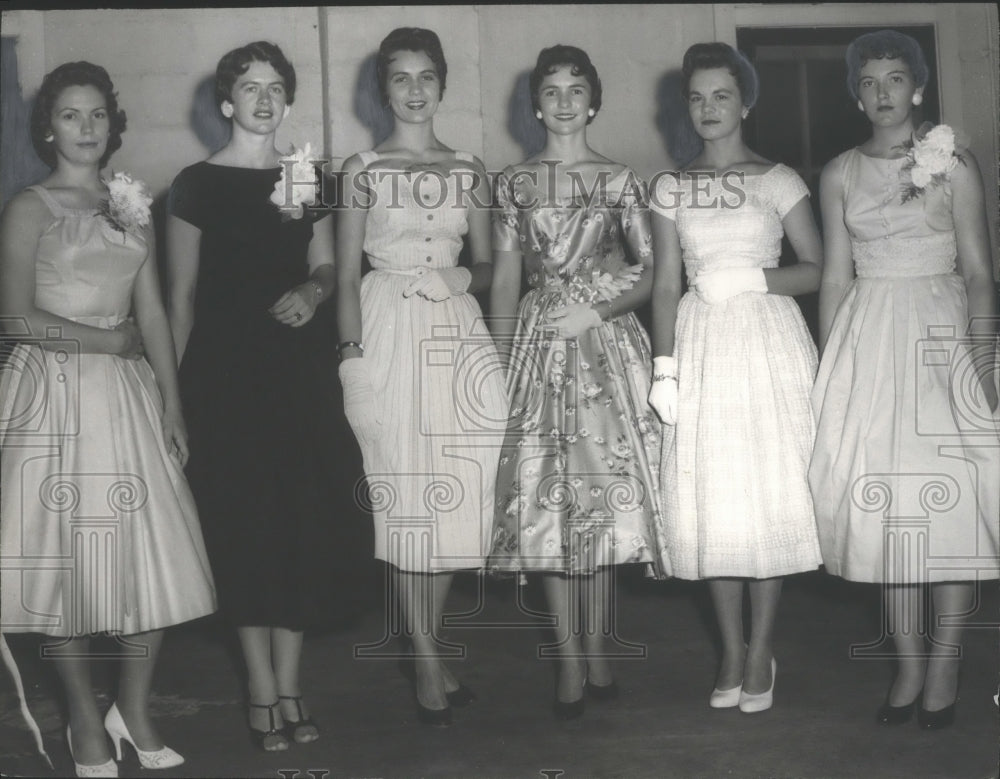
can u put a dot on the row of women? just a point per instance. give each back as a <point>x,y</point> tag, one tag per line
<point>714,451</point>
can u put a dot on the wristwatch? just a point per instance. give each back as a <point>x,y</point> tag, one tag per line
<point>319,290</point>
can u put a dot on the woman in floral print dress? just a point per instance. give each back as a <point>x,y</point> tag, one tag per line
<point>576,492</point>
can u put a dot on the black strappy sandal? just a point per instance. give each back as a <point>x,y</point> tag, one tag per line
<point>293,728</point>
<point>260,736</point>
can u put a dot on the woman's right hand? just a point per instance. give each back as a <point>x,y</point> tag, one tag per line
<point>130,340</point>
<point>663,390</point>
<point>359,400</point>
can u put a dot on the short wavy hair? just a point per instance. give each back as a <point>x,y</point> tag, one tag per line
<point>409,39</point>
<point>236,62</point>
<point>706,56</point>
<point>884,44</point>
<point>74,74</point>
<point>560,55</point>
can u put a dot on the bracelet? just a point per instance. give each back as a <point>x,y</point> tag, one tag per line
<point>319,289</point>
<point>663,377</point>
<point>345,344</point>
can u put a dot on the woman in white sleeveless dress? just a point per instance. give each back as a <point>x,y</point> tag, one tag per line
<point>906,469</point>
<point>422,381</point>
<point>99,530</point>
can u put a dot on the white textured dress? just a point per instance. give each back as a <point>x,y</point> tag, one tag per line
<point>734,467</point>
<point>437,377</point>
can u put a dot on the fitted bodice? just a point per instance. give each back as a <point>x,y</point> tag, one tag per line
<point>571,244</point>
<point>84,267</point>
<point>731,220</point>
<point>417,217</point>
<point>890,238</point>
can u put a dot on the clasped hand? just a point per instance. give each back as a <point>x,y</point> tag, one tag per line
<point>570,321</point>
<point>663,391</point>
<point>437,284</point>
<point>297,306</point>
<point>131,347</point>
<point>719,285</point>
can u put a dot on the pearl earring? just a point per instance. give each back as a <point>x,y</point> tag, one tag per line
<point>917,98</point>
<point>861,106</point>
<point>538,114</point>
<point>591,113</point>
<point>49,138</point>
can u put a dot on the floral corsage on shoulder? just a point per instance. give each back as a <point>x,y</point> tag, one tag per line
<point>931,156</point>
<point>127,206</point>
<point>299,183</point>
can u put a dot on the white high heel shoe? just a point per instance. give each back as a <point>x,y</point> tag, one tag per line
<point>107,769</point>
<point>160,758</point>
<point>752,702</point>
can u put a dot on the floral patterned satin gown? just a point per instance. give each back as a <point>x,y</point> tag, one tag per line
<point>577,484</point>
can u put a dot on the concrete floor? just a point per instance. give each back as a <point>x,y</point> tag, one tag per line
<point>822,724</point>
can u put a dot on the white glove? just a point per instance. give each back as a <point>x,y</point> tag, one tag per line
<point>571,321</point>
<point>663,391</point>
<point>439,284</point>
<point>359,400</point>
<point>719,285</point>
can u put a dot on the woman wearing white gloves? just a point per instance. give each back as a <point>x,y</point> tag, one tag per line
<point>423,389</point>
<point>733,373</point>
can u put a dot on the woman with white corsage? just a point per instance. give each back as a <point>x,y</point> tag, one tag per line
<point>250,270</point>
<point>733,370</point>
<point>906,470</point>
<point>99,530</point>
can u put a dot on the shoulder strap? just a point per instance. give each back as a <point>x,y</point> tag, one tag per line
<point>368,157</point>
<point>847,171</point>
<point>50,202</point>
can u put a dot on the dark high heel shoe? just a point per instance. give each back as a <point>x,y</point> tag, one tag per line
<point>439,718</point>
<point>936,720</point>
<point>888,714</point>
<point>602,692</point>
<point>567,710</point>
<point>296,729</point>
<point>278,743</point>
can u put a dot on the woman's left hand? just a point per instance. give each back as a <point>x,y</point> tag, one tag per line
<point>297,306</point>
<point>175,436</point>
<point>571,321</point>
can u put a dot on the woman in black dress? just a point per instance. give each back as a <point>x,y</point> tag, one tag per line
<point>247,284</point>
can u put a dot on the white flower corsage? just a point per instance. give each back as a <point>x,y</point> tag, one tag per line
<point>127,206</point>
<point>299,183</point>
<point>930,156</point>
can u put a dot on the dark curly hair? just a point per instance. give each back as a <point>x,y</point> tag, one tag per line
<point>236,62</point>
<point>409,39</point>
<point>884,44</point>
<point>706,56</point>
<point>74,74</point>
<point>560,55</point>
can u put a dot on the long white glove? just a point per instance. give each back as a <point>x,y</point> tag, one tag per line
<point>663,391</point>
<point>719,285</point>
<point>359,400</point>
<point>439,284</point>
<point>571,321</point>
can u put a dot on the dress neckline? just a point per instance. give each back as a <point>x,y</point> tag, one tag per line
<point>275,169</point>
<point>58,208</point>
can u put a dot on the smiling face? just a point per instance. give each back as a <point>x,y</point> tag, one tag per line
<point>412,86</point>
<point>564,100</point>
<point>885,91</point>
<point>80,125</point>
<point>715,103</point>
<point>258,100</point>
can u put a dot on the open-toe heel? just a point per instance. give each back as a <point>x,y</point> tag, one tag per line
<point>278,741</point>
<point>298,730</point>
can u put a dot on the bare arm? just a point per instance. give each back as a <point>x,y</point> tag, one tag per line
<point>159,346</point>
<point>974,263</point>
<point>350,246</point>
<point>23,221</point>
<point>804,276</point>
<point>838,264</point>
<point>183,250</point>
<point>321,259</point>
<point>667,267</point>
<point>478,216</point>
